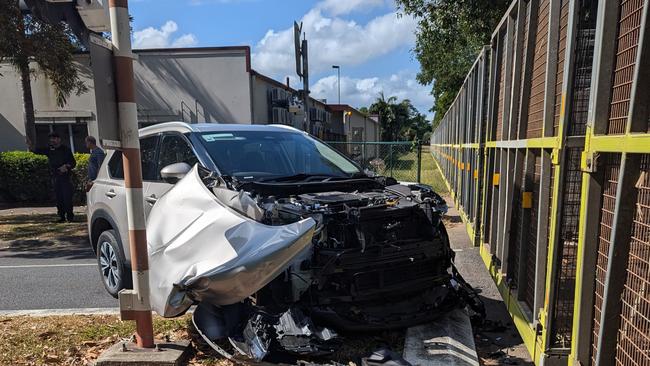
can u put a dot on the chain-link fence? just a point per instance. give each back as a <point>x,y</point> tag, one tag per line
<point>401,160</point>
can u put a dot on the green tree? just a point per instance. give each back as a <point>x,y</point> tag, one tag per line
<point>383,108</point>
<point>399,121</point>
<point>25,39</point>
<point>364,111</point>
<point>449,35</point>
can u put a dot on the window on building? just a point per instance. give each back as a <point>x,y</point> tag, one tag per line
<point>72,134</point>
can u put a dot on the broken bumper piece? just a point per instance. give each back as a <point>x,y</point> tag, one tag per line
<point>285,336</point>
<point>202,250</point>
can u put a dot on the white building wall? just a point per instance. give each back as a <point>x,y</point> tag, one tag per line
<point>201,85</point>
<point>173,84</point>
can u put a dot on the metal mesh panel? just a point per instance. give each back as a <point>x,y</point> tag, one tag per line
<point>538,83</point>
<point>550,206</point>
<point>531,256</point>
<point>500,106</point>
<point>399,160</point>
<point>628,37</point>
<point>611,168</point>
<point>489,189</point>
<point>522,74</point>
<point>583,67</point>
<point>551,197</point>
<point>567,250</point>
<point>633,346</point>
<point>561,54</point>
<point>515,230</point>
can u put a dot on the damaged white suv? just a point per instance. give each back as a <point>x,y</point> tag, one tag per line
<point>281,240</point>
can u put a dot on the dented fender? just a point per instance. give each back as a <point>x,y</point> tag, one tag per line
<point>201,249</point>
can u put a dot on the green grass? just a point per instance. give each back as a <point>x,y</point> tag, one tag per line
<point>405,169</point>
<point>430,173</point>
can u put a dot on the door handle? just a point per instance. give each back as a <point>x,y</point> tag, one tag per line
<point>151,199</point>
<point>110,194</point>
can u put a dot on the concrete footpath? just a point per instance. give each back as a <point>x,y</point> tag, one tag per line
<point>451,340</point>
<point>497,341</point>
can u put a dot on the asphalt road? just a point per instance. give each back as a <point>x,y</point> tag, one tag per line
<point>66,279</point>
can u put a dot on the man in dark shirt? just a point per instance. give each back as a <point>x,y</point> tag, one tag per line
<point>97,156</point>
<point>61,162</point>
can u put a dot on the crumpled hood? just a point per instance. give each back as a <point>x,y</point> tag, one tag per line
<point>202,250</point>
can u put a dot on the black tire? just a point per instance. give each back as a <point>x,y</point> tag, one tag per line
<point>114,272</point>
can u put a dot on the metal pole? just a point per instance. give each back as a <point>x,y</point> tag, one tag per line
<point>338,71</point>
<point>338,83</point>
<point>134,304</point>
<point>390,159</point>
<point>305,83</point>
<point>419,173</point>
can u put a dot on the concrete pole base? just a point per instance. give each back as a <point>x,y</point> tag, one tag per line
<point>128,354</point>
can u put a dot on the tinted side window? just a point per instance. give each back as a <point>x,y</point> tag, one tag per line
<point>148,156</point>
<point>175,149</point>
<point>115,167</point>
<point>148,160</point>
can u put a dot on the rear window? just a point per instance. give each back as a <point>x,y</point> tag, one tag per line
<point>115,167</point>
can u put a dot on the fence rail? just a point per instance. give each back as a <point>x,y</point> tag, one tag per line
<point>546,151</point>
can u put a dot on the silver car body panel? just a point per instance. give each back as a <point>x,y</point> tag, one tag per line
<point>200,249</point>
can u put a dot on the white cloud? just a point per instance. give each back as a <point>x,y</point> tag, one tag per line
<point>186,40</point>
<point>334,40</point>
<point>160,38</point>
<point>338,7</point>
<point>359,92</point>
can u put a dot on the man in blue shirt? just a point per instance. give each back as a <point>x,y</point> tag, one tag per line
<point>95,161</point>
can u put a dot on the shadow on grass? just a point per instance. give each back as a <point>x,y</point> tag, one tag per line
<point>47,249</point>
<point>38,236</point>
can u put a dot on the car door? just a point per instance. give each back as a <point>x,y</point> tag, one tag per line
<point>173,148</point>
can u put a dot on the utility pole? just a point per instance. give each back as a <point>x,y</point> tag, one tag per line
<point>302,69</point>
<point>112,69</point>
<point>338,83</point>
<point>134,304</point>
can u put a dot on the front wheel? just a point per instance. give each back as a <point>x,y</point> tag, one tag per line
<point>112,267</point>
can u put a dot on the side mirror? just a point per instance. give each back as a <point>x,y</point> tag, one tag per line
<point>174,172</point>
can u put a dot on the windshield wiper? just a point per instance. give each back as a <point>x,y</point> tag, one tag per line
<point>301,177</point>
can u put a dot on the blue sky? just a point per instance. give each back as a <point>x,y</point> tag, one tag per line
<point>366,37</point>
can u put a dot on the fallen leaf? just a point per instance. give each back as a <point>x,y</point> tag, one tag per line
<point>51,358</point>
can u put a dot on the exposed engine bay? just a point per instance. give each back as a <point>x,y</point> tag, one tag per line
<point>287,267</point>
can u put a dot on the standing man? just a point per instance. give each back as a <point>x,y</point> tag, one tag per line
<point>61,163</point>
<point>97,156</point>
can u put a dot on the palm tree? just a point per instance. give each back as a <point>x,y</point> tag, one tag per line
<point>384,108</point>
<point>25,39</point>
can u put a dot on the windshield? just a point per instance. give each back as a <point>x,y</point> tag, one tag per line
<point>264,155</point>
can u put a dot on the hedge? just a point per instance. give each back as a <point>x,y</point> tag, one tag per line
<point>25,177</point>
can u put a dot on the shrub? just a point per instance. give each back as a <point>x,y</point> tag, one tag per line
<point>25,177</point>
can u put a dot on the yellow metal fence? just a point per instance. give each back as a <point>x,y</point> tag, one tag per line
<point>546,152</point>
